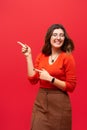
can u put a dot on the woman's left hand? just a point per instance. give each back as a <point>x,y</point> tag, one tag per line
<point>44,75</point>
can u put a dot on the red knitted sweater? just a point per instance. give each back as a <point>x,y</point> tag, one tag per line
<point>63,68</point>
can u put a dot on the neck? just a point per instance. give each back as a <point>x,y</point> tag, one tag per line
<point>56,51</point>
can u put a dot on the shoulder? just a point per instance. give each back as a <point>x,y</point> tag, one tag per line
<point>68,57</point>
<point>40,56</point>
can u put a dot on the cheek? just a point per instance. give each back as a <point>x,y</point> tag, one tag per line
<point>63,40</point>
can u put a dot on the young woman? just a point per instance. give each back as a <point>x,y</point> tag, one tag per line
<point>54,68</point>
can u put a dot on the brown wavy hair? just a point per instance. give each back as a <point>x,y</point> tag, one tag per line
<point>68,45</point>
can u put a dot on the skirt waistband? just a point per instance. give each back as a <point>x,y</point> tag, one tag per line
<point>51,90</point>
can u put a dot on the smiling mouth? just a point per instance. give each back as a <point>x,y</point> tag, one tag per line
<point>57,42</point>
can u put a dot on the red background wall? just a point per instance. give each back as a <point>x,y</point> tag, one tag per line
<point>27,21</point>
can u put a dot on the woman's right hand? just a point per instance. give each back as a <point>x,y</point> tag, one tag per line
<point>26,50</point>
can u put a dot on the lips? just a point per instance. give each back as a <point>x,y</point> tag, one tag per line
<point>57,41</point>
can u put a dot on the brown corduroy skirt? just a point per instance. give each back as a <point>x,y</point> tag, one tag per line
<point>51,111</point>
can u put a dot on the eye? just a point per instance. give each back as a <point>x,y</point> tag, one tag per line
<point>61,35</point>
<point>54,34</point>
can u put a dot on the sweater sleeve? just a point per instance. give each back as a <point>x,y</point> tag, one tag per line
<point>35,78</point>
<point>70,72</point>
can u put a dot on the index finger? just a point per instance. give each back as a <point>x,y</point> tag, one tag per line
<point>21,43</point>
<point>37,70</point>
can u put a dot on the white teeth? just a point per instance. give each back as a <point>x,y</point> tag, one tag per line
<point>57,42</point>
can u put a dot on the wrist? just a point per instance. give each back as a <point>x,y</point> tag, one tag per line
<point>52,80</point>
<point>29,56</point>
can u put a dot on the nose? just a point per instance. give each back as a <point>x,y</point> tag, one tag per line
<point>58,37</point>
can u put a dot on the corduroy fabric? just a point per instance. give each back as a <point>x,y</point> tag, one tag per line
<point>51,111</point>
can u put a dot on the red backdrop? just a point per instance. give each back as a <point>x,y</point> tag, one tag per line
<point>27,21</point>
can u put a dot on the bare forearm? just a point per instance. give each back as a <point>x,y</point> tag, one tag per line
<point>59,83</point>
<point>30,66</point>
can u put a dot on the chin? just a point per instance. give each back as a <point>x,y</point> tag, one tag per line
<point>58,46</point>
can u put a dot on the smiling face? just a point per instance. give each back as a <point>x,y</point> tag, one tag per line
<point>57,38</point>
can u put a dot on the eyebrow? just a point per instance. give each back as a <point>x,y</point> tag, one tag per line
<point>59,33</point>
